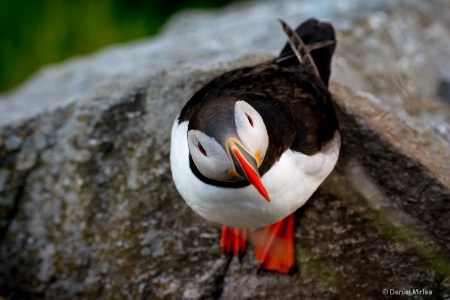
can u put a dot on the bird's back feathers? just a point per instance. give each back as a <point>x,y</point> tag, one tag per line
<point>293,101</point>
<point>320,41</point>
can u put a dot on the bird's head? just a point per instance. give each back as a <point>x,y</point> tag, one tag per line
<point>228,140</point>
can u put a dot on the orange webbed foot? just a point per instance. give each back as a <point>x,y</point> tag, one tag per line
<point>274,245</point>
<point>234,241</point>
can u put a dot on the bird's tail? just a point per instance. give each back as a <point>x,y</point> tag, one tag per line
<point>313,43</point>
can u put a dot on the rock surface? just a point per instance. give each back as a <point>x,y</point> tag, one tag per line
<point>87,204</point>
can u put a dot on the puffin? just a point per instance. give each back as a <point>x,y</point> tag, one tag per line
<point>252,145</point>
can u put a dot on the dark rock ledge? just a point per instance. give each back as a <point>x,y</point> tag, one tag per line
<point>89,208</point>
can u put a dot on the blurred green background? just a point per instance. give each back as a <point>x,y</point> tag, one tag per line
<point>36,33</point>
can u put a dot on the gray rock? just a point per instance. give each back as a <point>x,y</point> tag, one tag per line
<point>87,204</point>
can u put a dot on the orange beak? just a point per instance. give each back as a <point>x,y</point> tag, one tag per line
<point>245,164</point>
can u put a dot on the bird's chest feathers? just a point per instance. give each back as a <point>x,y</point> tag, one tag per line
<point>290,182</point>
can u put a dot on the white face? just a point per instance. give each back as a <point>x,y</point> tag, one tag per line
<point>211,158</point>
<point>251,129</point>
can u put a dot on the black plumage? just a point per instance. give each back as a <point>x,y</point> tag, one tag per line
<point>291,98</point>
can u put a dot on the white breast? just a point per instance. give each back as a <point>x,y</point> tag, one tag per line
<point>290,182</point>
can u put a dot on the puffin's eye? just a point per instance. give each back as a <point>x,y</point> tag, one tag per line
<point>202,150</point>
<point>249,119</point>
